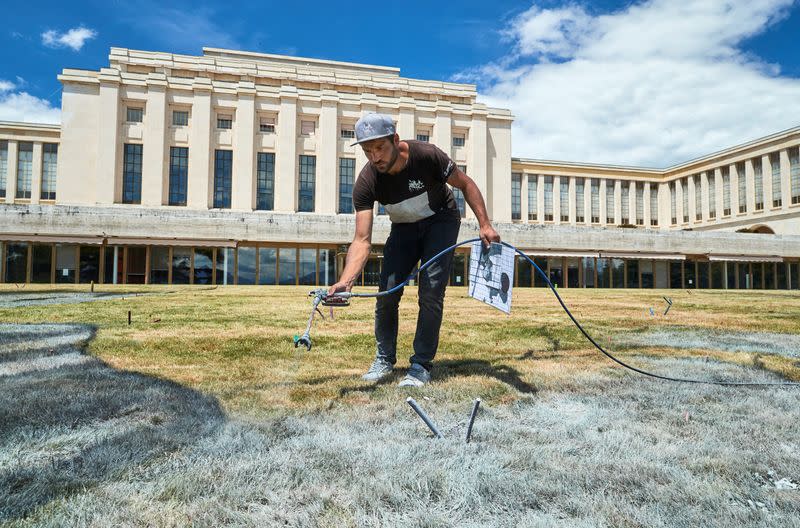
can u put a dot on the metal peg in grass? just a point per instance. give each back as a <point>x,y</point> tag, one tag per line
<point>472,416</point>
<point>669,304</point>
<point>432,426</point>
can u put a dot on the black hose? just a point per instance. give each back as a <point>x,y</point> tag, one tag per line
<point>575,321</point>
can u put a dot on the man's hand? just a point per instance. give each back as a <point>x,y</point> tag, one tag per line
<point>488,235</point>
<point>341,286</point>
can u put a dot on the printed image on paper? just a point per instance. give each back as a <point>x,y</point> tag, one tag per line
<point>491,275</point>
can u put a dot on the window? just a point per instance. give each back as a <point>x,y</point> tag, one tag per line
<point>794,172</point>
<point>653,205</point>
<point>49,165</point>
<point>3,167</point>
<point>459,196</point>
<point>533,196</point>
<point>742,180</point>
<point>548,198</point>
<point>610,201</point>
<point>459,140</point>
<point>308,169</point>
<point>673,202</point>
<point>347,173</point>
<point>564,196</point>
<point>685,192</point>
<point>223,169</point>
<point>307,127</point>
<point>516,196</point>
<point>639,203</point>
<point>265,181</point>
<point>423,135</point>
<point>24,169</point>
<point>132,174</point>
<point>758,179</point>
<point>266,125</point>
<point>347,132</point>
<point>180,118</point>
<point>775,162</point>
<point>712,195</point>
<point>134,114</point>
<point>726,191</point>
<point>595,200</point>
<point>698,198</point>
<point>178,174</point>
<point>579,200</point>
<point>626,202</point>
<point>224,121</point>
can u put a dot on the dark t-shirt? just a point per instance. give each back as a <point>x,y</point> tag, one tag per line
<point>417,192</point>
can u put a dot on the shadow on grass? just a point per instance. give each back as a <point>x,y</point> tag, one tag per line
<point>73,425</point>
<point>479,367</point>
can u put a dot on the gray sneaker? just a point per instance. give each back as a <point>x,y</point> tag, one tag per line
<point>417,376</point>
<point>380,368</point>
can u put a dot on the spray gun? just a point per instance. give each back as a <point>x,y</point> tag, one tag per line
<point>321,296</point>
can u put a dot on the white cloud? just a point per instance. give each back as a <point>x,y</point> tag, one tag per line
<point>657,83</point>
<point>74,38</point>
<point>21,106</point>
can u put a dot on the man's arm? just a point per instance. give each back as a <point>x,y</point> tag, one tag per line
<point>474,198</point>
<point>357,254</point>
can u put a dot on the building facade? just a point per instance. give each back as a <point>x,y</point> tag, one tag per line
<point>236,168</point>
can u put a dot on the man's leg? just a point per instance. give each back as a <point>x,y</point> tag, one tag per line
<point>440,234</point>
<point>400,254</point>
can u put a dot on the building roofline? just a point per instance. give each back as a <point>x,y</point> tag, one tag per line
<point>234,54</point>
<point>31,126</point>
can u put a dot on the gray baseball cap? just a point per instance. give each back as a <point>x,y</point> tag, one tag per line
<point>373,126</point>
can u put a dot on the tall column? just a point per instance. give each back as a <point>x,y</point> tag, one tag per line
<point>735,186</point>
<point>11,173</point>
<point>443,128</point>
<point>664,206</point>
<point>244,155</point>
<point>704,202</point>
<point>154,176</point>
<point>631,203</point>
<point>109,170</point>
<point>405,122</point>
<point>36,177</point>
<point>286,158</point>
<point>786,181</point>
<point>751,185</point>
<point>720,192</point>
<point>198,192</point>
<point>540,199</point>
<point>573,204</point>
<point>478,166</point>
<point>327,147</point>
<point>603,204</point>
<point>617,202</point>
<point>557,205</point>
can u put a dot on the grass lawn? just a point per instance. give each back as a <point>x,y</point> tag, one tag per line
<point>201,412</point>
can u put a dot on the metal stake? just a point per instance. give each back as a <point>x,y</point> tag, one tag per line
<point>472,417</point>
<point>414,405</point>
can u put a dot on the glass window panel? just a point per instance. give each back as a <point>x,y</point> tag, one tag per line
<point>265,181</point>
<point>712,194</point>
<point>89,264</point>
<point>610,214</point>
<point>372,272</point>
<point>579,200</point>
<point>180,118</point>
<point>717,275</point>
<point>595,201</point>
<point>224,268</point>
<point>782,275</point>
<point>775,163</point>
<point>548,198</point>
<point>41,265</point>
<point>137,264</point>
<point>564,197</point>
<point>538,278</point>
<point>132,174</point>
<point>794,173</point>
<point>267,265</point>
<point>646,269</point>
<point>327,267</point>
<point>617,273</point>
<point>726,191</point>
<point>698,198</point>
<point>287,265</point>
<point>673,203</point>
<point>676,275</point>
<point>178,174</point>
<point>308,169</point>
<point>516,190</point>
<point>588,271</point>
<point>224,122</point>
<point>703,275</point>
<point>3,167</point>
<point>159,265</point>
<point>689,275</point>
<point>769,275</point>
<point>24,169</point>
<point>633,274</point>
<point>223,170</point>
<point>49,167</point>
<point>573,272</point>
<point>639,203</point>
<point>653,204</point>
<point>203,265</point>
<point>626,202</point>
<point>181,265</point>
<point>556,272</point>
<point>347,171</point>
<point>246,266</point>
<point>533,201</point>
<point>794,272</point>
<point>308,266</point>
<point>457,275</point>
<point>65,264</point>
<point>16,262</point>
<point>731,275</point>
<point>603,273</point>
<point>134,114</point>
<point>758,178</point>
<point>758,275</point>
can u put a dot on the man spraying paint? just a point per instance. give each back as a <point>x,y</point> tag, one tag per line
<point>409,178</point>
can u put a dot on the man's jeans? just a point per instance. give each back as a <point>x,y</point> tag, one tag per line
<point>408,244</point>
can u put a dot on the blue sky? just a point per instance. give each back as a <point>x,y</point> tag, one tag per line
<point>634,83</point>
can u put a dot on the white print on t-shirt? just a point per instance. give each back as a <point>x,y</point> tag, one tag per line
<point>415,185</point>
